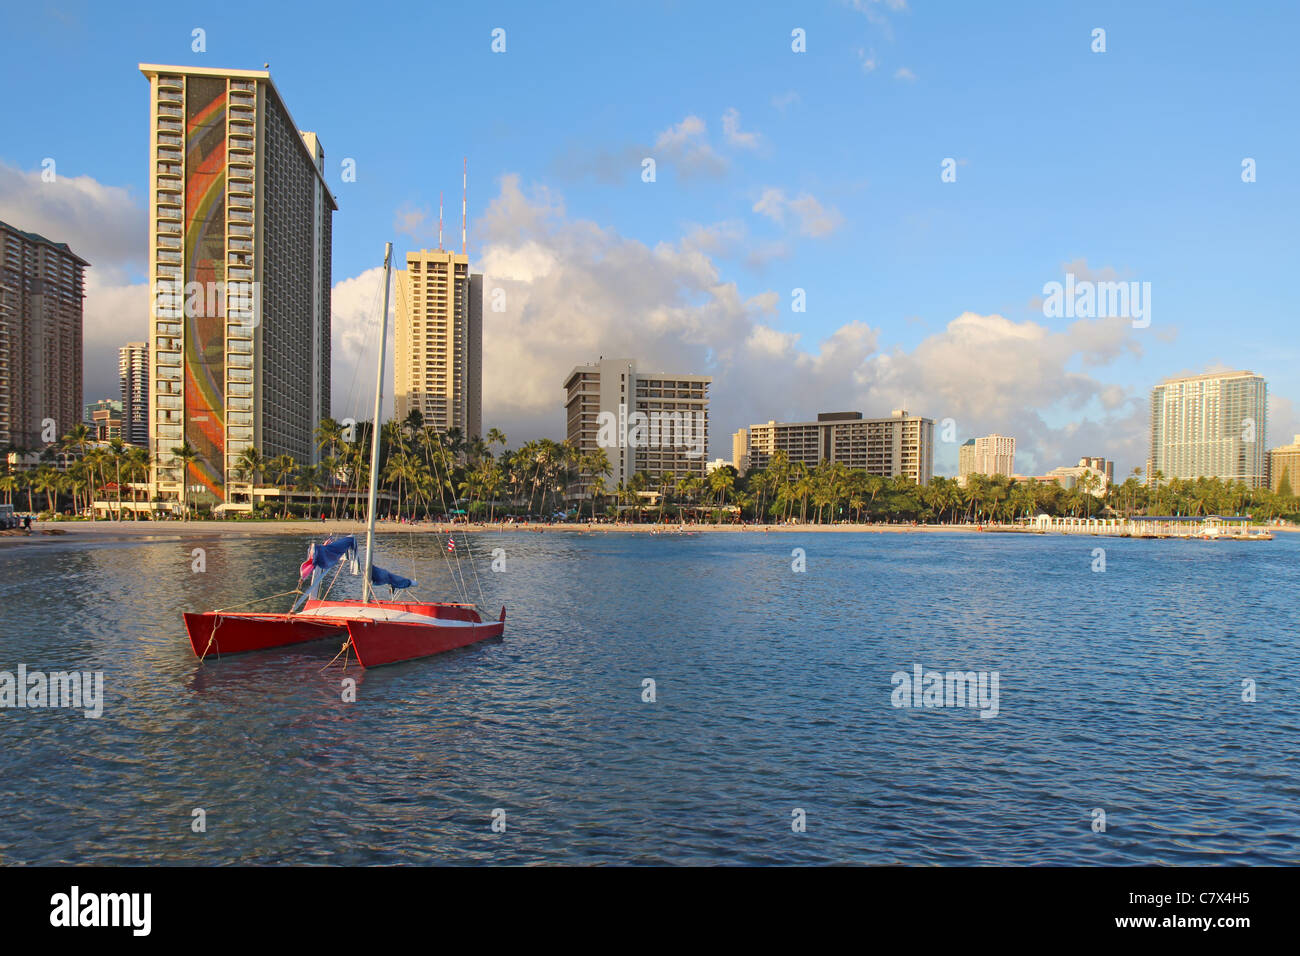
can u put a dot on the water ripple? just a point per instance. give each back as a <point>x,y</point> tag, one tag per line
<point>1120,692</point>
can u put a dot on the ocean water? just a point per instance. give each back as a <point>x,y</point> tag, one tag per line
<point>1118,691</point>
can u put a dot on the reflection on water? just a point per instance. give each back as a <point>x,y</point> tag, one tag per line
<point>1120,691</point>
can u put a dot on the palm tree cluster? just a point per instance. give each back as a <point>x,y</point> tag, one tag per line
<point>426,473</point>
<point>828,492</point>
<point>75,469</point>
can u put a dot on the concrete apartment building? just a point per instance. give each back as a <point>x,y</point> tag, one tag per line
<point>438,351</point>
<point>1212,426</point>
<point>240,220</point>
<point>42,290</point>
<point>1072,476</point>
<point>740,450</point>
<point>133,373</point>
<point>105,419</point>
<point>653,422</point>
<point>989,455</point>
<point>900,445</point>
<point>1284,463</point>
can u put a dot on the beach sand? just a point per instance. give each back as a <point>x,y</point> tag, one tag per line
<point>99,531</point>
<point>49,532</point>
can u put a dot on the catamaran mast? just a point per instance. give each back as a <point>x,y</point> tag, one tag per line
<point>367,590</point>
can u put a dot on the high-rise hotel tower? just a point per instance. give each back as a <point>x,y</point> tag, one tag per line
<point>239,239</point>
<point>1210,426</point>
<point>438,342</point>
<point>42,286</point>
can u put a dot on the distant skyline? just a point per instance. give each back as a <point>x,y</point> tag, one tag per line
<point>775,171</point>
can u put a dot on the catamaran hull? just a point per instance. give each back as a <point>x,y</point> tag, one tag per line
<point>217,633</point>
<point>396,631</point>
<point>380,642</point>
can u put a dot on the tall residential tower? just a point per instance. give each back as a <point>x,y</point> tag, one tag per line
<point>240,221</point>
<point>1211,426</point>
<point>133,372</point>
<point>438,351</point>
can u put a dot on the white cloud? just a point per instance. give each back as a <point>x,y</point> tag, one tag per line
<point>732,133</point>
<point>686,145</point>
<point>102,224</point>
<point>1080,269</point>
<point>106,227</point>
<point>870,6</point>
<point>868,60</point>
<point>812,218</point>
<point>114,315</point>
<point>355,305</point>
<point>872,10</point>
<point>1283,421</point>
<point>903,73</point>
<point>413,221</point>
<point>785,100</point>
<point>575,291</point>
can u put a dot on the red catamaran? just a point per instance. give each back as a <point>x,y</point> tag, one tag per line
<point>378,632</point>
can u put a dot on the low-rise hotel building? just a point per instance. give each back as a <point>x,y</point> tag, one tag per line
<point>900,445</point>
<point>1102,473</point>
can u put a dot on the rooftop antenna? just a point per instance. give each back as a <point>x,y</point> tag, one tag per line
<point>440,222</point>
<point>464,205</point>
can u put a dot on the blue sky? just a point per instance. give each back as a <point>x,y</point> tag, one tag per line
<point>1128,161</point>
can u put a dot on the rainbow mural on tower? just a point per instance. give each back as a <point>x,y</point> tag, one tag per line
<point>205,264</point>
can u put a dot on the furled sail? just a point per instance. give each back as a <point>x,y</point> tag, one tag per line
<point>380,576</point>
<point>322,557</point>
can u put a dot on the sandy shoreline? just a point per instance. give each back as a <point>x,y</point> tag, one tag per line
<point>101,531</point>
<point>106,531</point>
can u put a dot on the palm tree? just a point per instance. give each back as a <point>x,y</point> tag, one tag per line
<point>667,481</point>
<point>10,483</point>
<point>329,434</point>
<point>138,463</point>
<point>402,469</point>
<point>79,479</point>
<point>595,466</point>
<point>721,482</point>
<point>493,479</point>
<point>249,466</point>
<point>282,468</point>
<point>45,479</point>
<point>185,454</point>
<point>117,453</point>
<point>79,437</point>
<point>26,479</point>
<point>1156,479</point>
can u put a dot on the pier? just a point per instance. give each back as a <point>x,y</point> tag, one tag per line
<point>1202,527</point>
